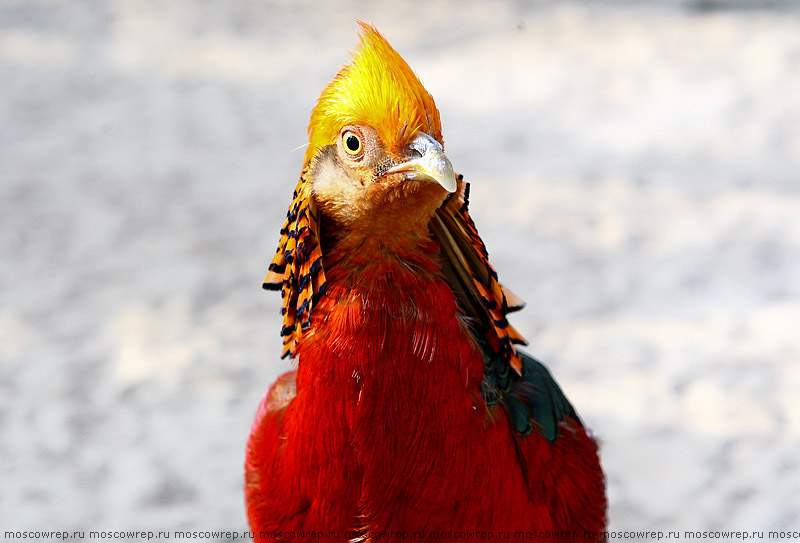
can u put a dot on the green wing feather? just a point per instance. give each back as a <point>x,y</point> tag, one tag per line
<point>538,398</point>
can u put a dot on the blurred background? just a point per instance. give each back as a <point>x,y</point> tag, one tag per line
<point>635,172</point>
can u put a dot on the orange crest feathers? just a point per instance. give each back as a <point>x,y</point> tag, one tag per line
<point>379,89</point>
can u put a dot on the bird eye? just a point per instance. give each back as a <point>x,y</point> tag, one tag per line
<point>352,143</point>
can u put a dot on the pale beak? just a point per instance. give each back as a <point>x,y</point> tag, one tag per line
<point>429,163</point>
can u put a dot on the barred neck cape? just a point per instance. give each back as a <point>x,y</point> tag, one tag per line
<point>297,269</point>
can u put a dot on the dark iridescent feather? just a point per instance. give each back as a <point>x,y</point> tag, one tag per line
<point>537,397</point>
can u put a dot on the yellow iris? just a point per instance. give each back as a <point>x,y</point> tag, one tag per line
<point>352,143</point>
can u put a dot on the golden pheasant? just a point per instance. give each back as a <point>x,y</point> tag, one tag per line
<point>411,411</point>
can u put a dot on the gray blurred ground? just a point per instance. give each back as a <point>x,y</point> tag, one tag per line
<point>636,178</point>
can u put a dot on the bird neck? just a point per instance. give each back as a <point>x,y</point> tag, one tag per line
<point>390,221</point>
<point>382,301</point>
<point>365,255</point>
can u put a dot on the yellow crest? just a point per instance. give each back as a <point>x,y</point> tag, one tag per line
<point>379,89</point>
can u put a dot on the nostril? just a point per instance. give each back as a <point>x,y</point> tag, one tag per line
<point>381,168</point>
<point>415,152</point>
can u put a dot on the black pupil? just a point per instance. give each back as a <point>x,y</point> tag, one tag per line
<point>352,143</point>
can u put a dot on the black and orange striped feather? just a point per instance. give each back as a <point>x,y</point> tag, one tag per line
<point>296,270</point>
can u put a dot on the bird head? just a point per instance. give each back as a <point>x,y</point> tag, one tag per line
<point>376,154</point>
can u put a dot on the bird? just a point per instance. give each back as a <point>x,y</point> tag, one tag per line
<point>412,409</point>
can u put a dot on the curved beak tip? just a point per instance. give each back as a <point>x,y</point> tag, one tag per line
<point>431,164</point>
